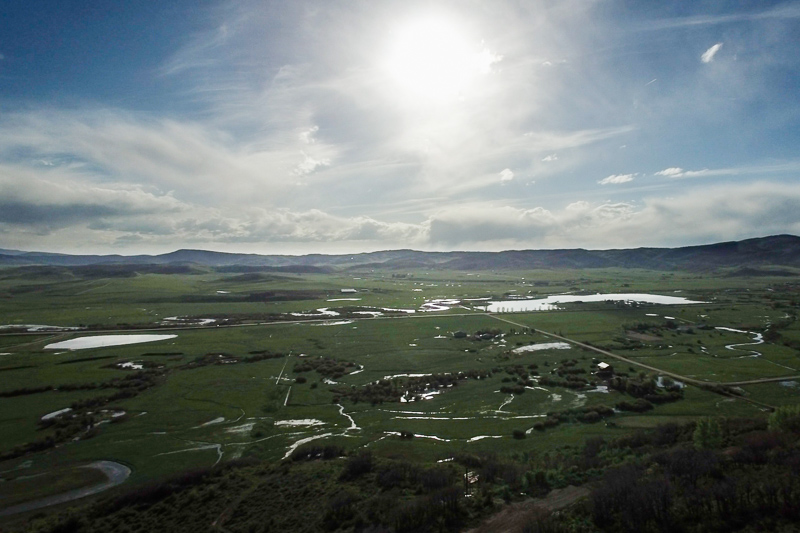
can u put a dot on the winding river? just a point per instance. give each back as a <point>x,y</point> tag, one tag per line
<point>115,472</point>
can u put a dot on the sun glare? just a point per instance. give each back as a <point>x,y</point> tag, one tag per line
<point>432,59</point>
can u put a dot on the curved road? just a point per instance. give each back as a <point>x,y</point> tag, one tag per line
<point>115,472</point>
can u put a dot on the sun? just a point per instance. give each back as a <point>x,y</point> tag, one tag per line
<point>431,58</point>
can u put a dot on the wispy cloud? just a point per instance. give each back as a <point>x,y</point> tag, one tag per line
<point>307,136</point>
<point>617,179</point>
<point>789,10</point>
<point>677,172</point>
<point>708,55</point>
<point>289,130</point>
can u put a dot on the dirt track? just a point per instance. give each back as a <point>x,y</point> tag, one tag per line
<point>513,517</point>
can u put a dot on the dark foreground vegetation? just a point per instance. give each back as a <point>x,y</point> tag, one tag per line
<point>714,475</point>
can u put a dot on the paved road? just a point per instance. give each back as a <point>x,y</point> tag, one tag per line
<point>685,379</point>
<point>115,472</point>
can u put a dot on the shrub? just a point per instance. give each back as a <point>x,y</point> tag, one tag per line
<point>313,451</point>
<point>707,434</point>
<point>638,406</point>
<point>357,465</point>
<point>786,418</point>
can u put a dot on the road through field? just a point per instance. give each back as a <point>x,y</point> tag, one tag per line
<point>685,379</point>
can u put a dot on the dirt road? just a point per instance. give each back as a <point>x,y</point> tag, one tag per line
<point>513,517</point>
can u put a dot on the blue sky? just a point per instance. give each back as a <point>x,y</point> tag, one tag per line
<point>343,126</point>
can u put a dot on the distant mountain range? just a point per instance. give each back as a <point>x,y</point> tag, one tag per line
<point>777,250</point>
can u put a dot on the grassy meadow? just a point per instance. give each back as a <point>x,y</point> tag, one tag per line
<point>257,381</point>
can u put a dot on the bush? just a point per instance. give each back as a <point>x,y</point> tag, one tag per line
<point>519,434</point>
<point>590,418</point>
<point>357,465</point>
<point>786,418</point>
<point>313,451</point>
<point>708,434</point>
<point>640,405</point>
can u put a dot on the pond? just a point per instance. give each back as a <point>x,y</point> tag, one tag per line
<point>99,341</point>
<point>551,302</point>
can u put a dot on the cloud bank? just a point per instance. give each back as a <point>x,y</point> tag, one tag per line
<point>271,126</point>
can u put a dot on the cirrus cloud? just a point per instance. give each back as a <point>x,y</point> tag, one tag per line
<point>708,55</point>
<point>617,179</point>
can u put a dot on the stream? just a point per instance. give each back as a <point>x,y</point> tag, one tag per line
<point>758,338</point>
<point>115,472</point>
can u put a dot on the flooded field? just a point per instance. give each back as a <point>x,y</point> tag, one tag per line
<point>104,341</point>
<point>551,302</point>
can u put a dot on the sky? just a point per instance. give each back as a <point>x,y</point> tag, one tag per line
<point>333,126</point>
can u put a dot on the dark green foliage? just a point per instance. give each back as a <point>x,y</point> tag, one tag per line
<point>695,492</point>
<point>639,405</point>
<point>314,451</point>
<point>325,366</point>
<point>786,418</point>
<point>357,465</point>
<point>25,391</point>
<point>84,359</point>
<point>543,521</point>
<point>441,509</point>
<point>708,434</point>
<point>664,484</point>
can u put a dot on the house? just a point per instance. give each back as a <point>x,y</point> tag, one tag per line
<point>604,370</point>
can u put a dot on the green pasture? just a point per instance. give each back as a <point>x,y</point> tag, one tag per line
<point>193,417</point>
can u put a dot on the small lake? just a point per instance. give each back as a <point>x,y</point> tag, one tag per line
<point>551,302</point>
<point>100,341</point>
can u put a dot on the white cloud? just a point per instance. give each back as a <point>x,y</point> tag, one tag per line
<point>708,55</point>
<point>309,165</point>
<point>486,58</point>
<point>548,158</point>
<point>61,199</point>
<point>677,172</point>
<point>307,136</point>
<point>672,172</point>
<point>616,179</point>
<point>708,214</point>
<point>506,175</point>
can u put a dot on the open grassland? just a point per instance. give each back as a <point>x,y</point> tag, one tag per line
<point>257,381</point>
